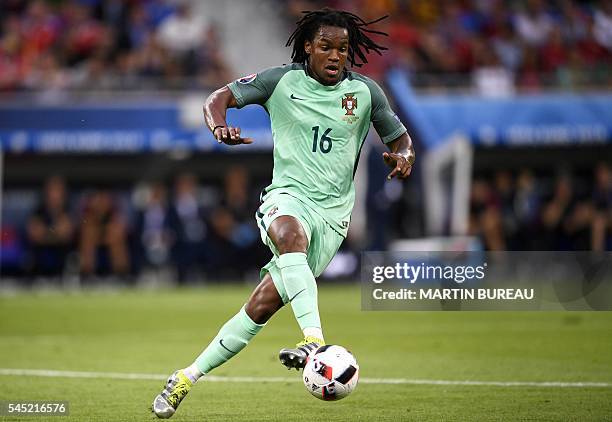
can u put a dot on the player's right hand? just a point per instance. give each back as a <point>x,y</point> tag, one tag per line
<point>230,136</point>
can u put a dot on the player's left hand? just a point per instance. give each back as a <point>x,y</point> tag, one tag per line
<point>402,165</point>
<point>230,136</point>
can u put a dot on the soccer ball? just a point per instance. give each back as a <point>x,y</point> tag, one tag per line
<point>331,373</point>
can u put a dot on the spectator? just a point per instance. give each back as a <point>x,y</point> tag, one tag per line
<point>533,24</point>
<point>152,232</point>
<point>567,219</point>
<point>554,52</point>
<point>526,207</point>
<point>602,202</point>
<point>103,237</point>
<point>48,78</point>
<point>186,220</point>
<point>113,13</point>
<point>485,217</point>
<point>158,10</point>
<point>504,196</point>
<point>95,72</point>
<point>151,59</point>
<point>138,27</point>
<point>50,231</point>
<point>507,47</point>
<point>12,60</point>
<point>574,21</point>
<point>490,78</point>
<point>529,77</point>
<point>235,237</point>
<point>40,29</point>
<point>212,67</point>
<point>84,34</point>
<point>182,35</point>
<point>602,30</point>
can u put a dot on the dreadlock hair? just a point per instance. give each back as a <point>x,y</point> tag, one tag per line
<point>357,32</point>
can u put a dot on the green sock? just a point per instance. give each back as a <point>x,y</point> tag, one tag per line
<point>301,288</point>
<point>232,338</point>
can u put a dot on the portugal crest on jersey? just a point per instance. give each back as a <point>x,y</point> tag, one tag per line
<point>349,103</point>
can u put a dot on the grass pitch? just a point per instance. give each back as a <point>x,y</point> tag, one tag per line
<point>158,331</point>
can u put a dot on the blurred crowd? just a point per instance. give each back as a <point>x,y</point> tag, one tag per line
<point>525,212</point>
<point>496,46</point>
<point>192,230</point>
<point>189,231</point>
<point>107,44</point>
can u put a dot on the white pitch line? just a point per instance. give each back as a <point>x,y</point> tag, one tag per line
<point>213,378</point>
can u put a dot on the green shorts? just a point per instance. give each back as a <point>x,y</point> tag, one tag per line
<point>323,240</point>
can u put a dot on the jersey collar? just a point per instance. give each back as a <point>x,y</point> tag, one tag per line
<point>312,82</point>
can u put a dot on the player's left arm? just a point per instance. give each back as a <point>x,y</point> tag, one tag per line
<point>401,158</point>
<point>392,132</point>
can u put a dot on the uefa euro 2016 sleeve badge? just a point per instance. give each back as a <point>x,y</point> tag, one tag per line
<point>349,103</point>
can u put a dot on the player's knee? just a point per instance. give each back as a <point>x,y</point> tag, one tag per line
<point>291,241</point>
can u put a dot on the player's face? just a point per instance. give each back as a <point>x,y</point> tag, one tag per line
<point>327,54</point>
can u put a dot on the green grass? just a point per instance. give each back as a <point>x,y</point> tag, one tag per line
<point>156,332</point>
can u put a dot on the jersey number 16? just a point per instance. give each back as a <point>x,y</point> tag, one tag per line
<point>325,143</point>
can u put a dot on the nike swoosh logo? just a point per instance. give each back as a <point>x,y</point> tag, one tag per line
<point>222,345</point>
<point>294,296</point>
<point>293,97</point>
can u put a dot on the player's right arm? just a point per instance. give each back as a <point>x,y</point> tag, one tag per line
<point>252,89</point>
<point>215,110</point>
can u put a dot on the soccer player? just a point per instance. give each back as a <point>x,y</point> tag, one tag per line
<point>320,114</point>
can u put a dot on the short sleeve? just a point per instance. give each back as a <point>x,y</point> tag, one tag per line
<point>385,120</point>
<point>258,87</point>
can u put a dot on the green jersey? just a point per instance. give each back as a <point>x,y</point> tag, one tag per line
<point>318,133</point>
